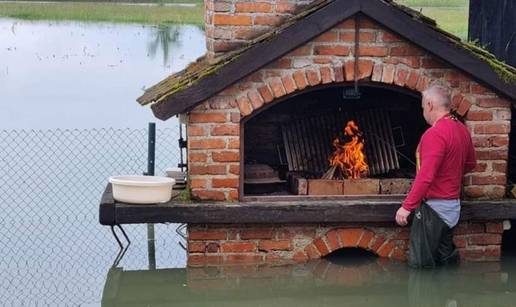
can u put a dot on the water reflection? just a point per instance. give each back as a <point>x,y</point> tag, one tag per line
<point>163,37</point>
<point>317,283</point>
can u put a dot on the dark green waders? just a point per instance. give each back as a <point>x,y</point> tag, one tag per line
<point>431,240</point>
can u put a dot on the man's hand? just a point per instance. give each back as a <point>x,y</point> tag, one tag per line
<point>401,216</point>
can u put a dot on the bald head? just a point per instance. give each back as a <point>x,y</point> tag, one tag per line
<point>439,97</point>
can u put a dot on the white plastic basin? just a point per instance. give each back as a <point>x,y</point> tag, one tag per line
<point>142,189</point>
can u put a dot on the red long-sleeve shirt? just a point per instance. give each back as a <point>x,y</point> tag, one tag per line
<point>446,153</point>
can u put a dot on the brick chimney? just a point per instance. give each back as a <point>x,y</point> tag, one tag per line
<point>230,24</point>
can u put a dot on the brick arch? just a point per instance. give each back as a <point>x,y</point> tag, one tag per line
<point>293,82</point>
<point>384,245</point>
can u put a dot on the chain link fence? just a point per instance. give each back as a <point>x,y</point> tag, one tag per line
<point>54,251</point>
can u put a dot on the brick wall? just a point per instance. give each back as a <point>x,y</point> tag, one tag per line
<point>214,126</point>
<point>230,24</point>
<point>233,244</point>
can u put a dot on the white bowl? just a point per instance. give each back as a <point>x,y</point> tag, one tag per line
<point>135,189</point>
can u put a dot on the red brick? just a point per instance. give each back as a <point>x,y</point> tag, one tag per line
<point>422,83</point>
<point>225,182</point>
<point>500,167</point>
<point>235,117</point>
<point>412,80</point>
<point>492,128</point>
<point>299,78</point>
<point>401,77</point>
<point>247,33</point>
<point>333,240</point>
<point>207,118</point>
<point>231,20</point>
<point>277,87</point>
<point>212,247</point>
<point>224,46</point>
<point>389,37</point>
<point>227,129</point>
<point>498,154</point>
<point>255,98</point>
<point>366,239</point>
<point>373,51</point>
<point>460,241</point>
<point>331,50</point>
<point>364,37</point>
<point>207,170</point>
<point>268,20</point>
<point>377,73</point>
<point>238,247</point>
<point>244,105</point>
<point>388,73</point>
<point>253,7</point>
<point>405,50</point>
<point>463,107</point>
<point>493,103</point>
<point>196,235</point>
<point>350,236</point>
<point>327,37</point>
<point>399,254</point>
<point>349,70</point>
<point>234,169</point>
<point>266,93</point>
<point>277,245</point>
<point>196,247</point>
<point>196,131</point>
<point>468,228</point>
<point>312,252</point>
<point>493,252</point>
<point>207,144</point>
<point>377,242</point>
<point>326,75</point>
<point>234,144</point>
<point>313,77</point>
<point>431,63</point>
<point>225,156</point>
<point>386,249</point>
<point>300,257</point>
<point>285,7</point>
<point>488,179</point>
<point>485,239</point>
<point>253,234</point>
<point>196,260</point>
<point>365,68</point>
<point>321,247</point>
<point>338,73</point>
<point>479,115</point>
<point>478,89</point>
<point>196,183</point>
<point>197,156</point>
<point>474,191</point>
<point>289,84</point>
<point>208,195</point>
<point>494,227</point>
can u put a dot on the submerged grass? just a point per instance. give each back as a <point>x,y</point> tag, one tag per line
<point>109,12</point>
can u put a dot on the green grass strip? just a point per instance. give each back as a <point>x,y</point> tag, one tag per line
<point>109,12</point>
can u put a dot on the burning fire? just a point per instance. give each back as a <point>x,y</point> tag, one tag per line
<point>349,158</point>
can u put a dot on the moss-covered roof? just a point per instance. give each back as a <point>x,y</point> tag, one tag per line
<point>165,92</point>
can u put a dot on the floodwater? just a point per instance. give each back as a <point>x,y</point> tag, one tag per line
<point>82,77</point>
<point>86,75</point>
<point>372,282</point>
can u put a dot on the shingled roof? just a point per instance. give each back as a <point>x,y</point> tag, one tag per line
<point>202,79</point>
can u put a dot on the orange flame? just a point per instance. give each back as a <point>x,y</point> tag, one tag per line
<point>349,157</point>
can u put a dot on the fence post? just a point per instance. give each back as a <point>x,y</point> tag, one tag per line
<point>151,155</point>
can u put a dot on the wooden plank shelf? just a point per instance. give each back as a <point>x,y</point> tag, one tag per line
<point>273,210</point>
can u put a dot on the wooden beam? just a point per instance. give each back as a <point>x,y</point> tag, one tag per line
<point>319,210</point>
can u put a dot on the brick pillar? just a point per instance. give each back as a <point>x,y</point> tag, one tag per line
<point>230,24</point>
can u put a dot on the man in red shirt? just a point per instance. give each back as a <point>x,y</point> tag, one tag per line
<point>445,153</point>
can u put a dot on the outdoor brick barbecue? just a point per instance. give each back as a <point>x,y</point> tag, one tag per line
<point>266,108</point>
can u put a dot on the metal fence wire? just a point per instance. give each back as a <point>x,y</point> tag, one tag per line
<point>53,250</point>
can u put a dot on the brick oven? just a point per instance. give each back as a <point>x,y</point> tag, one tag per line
<point>319,101</point>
